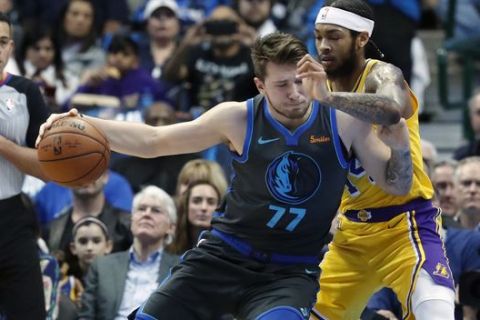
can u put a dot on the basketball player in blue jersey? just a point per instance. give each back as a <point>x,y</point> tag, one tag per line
<point>382,239</point>
<point>260,259</point>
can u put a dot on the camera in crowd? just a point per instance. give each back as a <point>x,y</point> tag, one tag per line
<point>221,27</point>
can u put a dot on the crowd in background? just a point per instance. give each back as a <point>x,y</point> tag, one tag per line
<point>165,61</point>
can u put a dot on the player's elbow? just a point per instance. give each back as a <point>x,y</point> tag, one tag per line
<point>393,116</point>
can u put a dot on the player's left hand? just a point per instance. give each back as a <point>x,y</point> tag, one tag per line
<point>314,77</point>
<point>395,136</point>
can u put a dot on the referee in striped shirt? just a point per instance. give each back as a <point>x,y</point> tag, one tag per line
<point>22,110</point>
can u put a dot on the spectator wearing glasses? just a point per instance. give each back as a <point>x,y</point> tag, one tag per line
<point>118,283</point>
<point>467,184</point>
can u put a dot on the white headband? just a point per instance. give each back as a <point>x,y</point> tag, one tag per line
<point>346,19</point>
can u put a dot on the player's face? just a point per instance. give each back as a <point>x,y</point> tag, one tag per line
<point>90,242</point>
<point>285,92</point>
<point>6,44</point>
<point>202,203</point>
<point>336,49</point>
<point>41,53</point>
<point>442,179</point>
<point>150,220</point>
<point>468,186</point>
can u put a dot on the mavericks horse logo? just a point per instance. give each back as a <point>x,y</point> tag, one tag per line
<point>293,178</point>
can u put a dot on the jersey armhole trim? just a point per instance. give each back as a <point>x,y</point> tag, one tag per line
<point>337,143</point>
<point>248,134</point>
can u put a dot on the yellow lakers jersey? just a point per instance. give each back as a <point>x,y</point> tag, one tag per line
<point>361,192</point>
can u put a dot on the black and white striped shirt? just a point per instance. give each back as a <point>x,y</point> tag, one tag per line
<point>22,111</point>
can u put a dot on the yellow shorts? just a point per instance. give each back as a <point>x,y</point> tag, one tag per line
<point>366,256</point>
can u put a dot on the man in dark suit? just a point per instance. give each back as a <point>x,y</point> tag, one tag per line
<point>120,282</point>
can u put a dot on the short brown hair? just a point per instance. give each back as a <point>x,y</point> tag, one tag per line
<point>277,47</point>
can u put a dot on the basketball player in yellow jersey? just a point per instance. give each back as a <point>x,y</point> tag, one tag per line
<point>382,240</point>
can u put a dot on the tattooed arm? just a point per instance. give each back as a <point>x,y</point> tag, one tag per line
<point>385,100</point>
<point>388,163</point>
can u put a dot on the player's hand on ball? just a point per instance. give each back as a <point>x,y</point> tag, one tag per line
<point>53,117</point>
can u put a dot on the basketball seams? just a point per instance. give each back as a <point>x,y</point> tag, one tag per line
<point>102,159</point>
<point>75,156</point>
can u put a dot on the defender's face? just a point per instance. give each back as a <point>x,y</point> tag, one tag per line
<point>285,92</point>
<point>336,49</point>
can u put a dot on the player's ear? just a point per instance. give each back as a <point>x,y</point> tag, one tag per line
<point>260,85</point>
<point>362,39</point>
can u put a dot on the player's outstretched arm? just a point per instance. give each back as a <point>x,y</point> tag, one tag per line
<point>385,101</point>
<point>221,124</point>
<point>384,154</point>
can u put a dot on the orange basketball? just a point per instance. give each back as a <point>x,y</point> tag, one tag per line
<point>73,152</point>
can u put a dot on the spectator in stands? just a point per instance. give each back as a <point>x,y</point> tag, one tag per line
<point>110,15</point>
<point>443,181</point>
<point>429,155</point>
<point>88,201</point>
<point>162,171</point>
<point>201,169</point>
<point>217,69</point>
<point>163,29</point>
<point>39,58</point>
<point>91,239</point>
<point>257,14</point>
<point>77,37</point>
<point>53,199</point>
<point>120,282</point>
<point>122,77</point>
<point>467,185</point>
<point>215,64</point>
<point>195,210</point>
<point>472,148</point>
<point>466,18</point>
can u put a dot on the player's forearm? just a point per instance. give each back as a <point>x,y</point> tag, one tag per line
<point>399,172</point>
<point>24,158</point>
<point>129,138</point>
<point>367,107</point>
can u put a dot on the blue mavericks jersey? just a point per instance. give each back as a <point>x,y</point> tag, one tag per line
<point>287,185</point>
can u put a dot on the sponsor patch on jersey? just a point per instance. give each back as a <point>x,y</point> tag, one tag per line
<point>318,139</point>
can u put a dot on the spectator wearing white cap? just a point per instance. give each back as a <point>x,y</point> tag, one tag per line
<point>162,28</point>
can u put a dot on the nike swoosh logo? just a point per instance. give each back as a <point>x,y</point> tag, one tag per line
<point>264,141</point>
